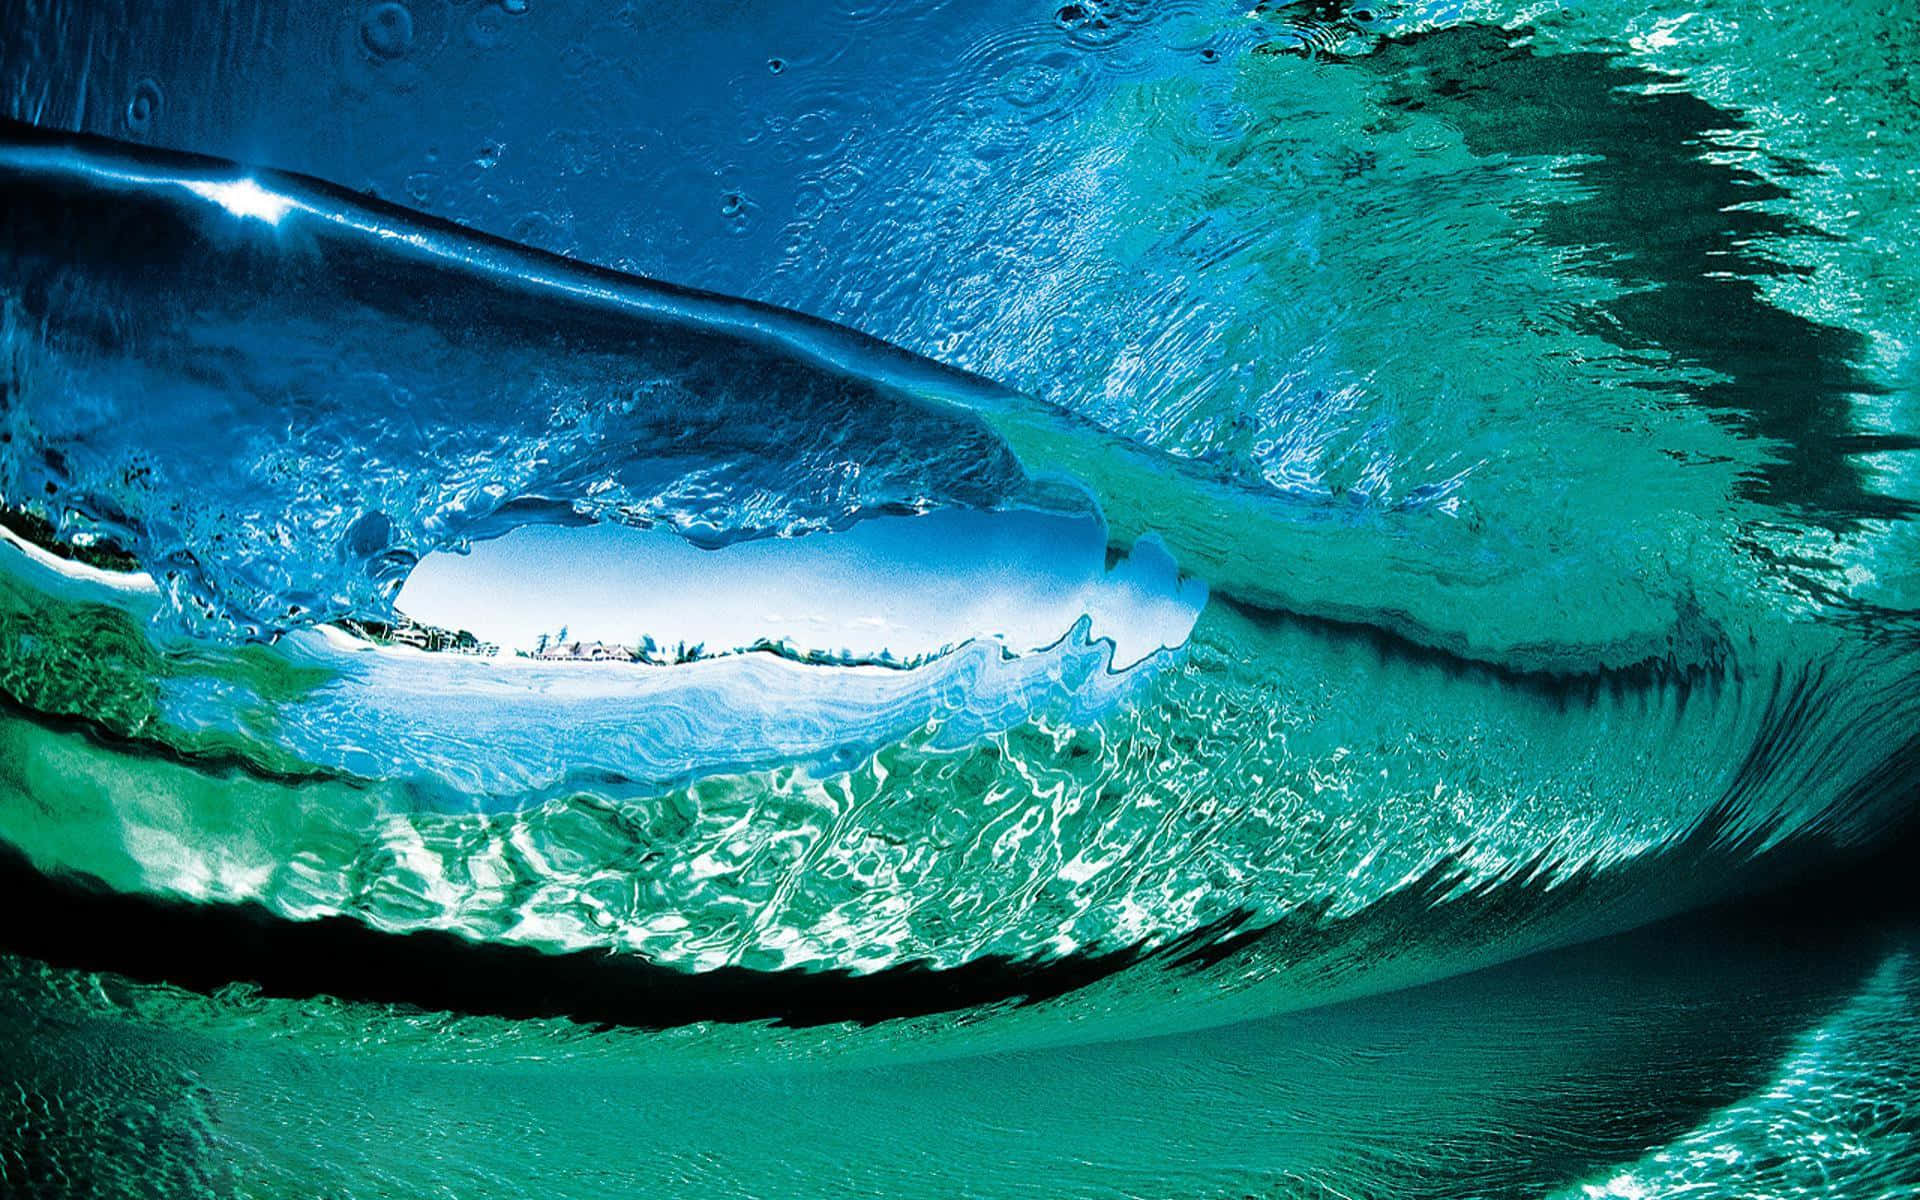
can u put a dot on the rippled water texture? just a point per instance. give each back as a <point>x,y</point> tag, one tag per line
<point>998,599</point>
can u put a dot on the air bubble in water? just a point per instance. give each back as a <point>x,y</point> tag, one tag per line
<point>386,30</point>
<point>143,107</point>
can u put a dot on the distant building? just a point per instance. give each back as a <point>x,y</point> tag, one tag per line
<point>408,632</point>
<point>585,652</point>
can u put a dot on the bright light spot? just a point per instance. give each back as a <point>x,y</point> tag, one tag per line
<point>245,198</point>
<point>890,588</point>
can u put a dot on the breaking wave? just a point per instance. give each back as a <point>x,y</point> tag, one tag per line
<point>366,568</point>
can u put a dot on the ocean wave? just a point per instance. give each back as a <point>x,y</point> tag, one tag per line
<point>269,406</point>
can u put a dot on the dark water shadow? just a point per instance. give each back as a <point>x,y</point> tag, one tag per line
<point>1668,208</point>
<point>1506,1082</point>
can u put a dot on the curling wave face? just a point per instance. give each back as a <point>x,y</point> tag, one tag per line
<point>370,567</point>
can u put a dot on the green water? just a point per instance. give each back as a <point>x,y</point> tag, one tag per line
<point>1703,1061</point>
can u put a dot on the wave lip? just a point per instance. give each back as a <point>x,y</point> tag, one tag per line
<point>150,298</point>
<point>385,384</point>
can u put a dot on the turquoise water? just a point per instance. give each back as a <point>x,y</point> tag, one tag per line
<point>1105,599</point>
